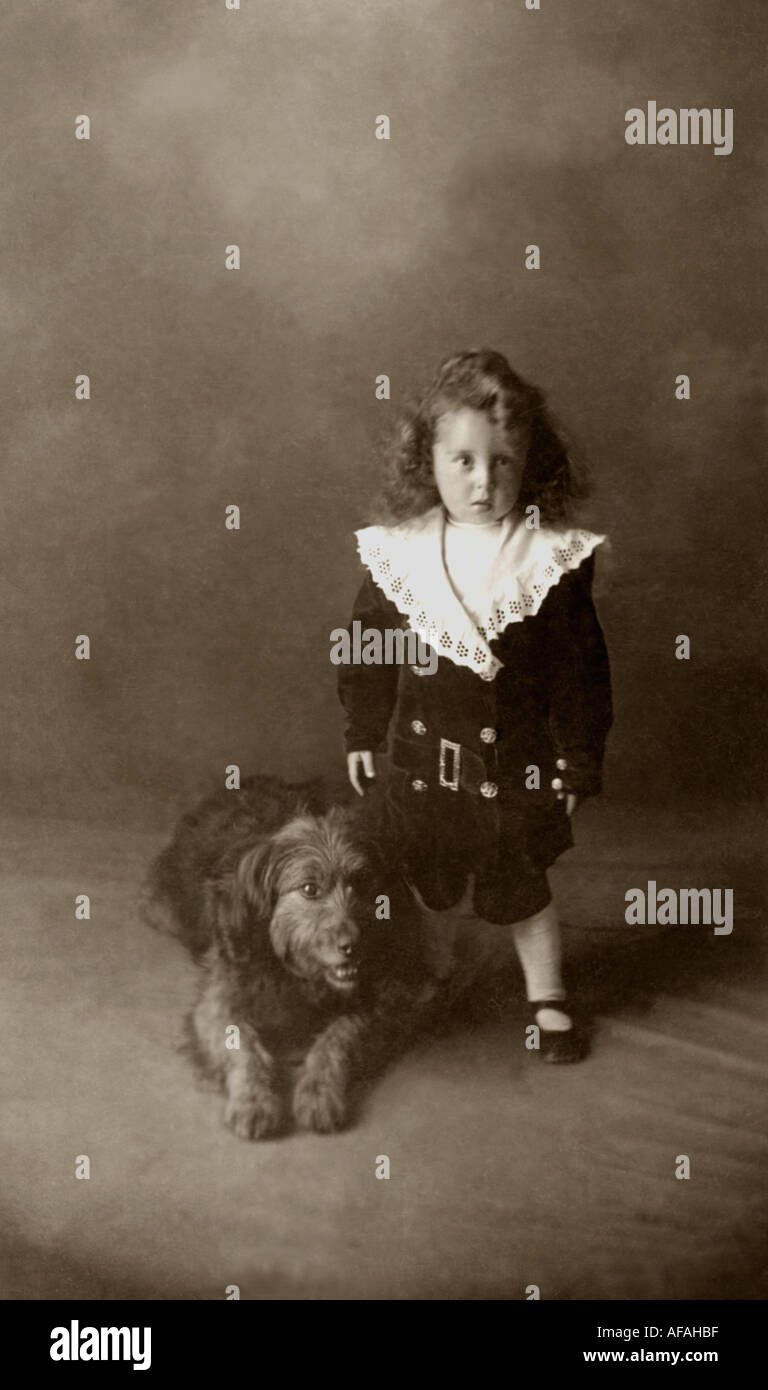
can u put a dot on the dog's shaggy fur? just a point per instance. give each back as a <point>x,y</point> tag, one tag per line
<point>274,893</point>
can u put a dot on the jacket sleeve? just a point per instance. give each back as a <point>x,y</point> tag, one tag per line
<point>580,706</point>
<point>368,693</point>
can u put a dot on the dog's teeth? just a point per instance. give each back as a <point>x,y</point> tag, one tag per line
<point>345,972</point>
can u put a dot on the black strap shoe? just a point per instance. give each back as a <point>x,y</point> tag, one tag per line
<point>559,1045</point>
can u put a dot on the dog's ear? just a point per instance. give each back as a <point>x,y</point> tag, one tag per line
<point>240,905</point>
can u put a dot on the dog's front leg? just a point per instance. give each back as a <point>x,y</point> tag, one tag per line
<point>320,1097</point>
<point>253,1109</point>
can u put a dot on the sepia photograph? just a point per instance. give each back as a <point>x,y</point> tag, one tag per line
<point>383,588</point>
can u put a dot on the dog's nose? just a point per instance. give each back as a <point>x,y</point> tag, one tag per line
<point>347,940</point>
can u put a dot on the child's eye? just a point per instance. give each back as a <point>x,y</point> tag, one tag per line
<point>503,460</point>
<point>465,460</point>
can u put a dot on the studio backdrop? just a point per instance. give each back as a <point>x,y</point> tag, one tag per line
<point>233,249</point>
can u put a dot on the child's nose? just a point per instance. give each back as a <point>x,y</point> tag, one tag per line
<point>481,478</point>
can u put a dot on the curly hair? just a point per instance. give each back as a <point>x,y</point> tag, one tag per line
<point>482,380</point>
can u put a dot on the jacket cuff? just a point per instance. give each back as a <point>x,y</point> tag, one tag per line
<point>580,773</point>
<point>360,741</point>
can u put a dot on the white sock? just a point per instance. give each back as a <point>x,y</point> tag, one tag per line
<point>537,940</point>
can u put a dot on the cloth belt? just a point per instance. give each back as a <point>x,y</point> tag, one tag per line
<point>452,765</point>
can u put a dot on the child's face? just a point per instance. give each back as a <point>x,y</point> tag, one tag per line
<point>477,465</point>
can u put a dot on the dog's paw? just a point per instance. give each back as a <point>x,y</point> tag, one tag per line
<point>319,1104</point>
<point>255,1115</point>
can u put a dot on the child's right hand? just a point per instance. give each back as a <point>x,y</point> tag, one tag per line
<point>357,762</point>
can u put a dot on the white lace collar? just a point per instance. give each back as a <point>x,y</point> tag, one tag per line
<point>407,562</point>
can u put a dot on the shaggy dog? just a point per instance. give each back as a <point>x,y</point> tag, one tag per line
<point>308,986</point>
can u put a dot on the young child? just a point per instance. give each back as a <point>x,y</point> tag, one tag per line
<point>493,750</point>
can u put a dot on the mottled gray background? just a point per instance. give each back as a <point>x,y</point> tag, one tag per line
<point>358,257</point>
<point>361,257</point>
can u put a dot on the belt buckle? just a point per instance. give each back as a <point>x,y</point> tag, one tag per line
<point>453,782</point>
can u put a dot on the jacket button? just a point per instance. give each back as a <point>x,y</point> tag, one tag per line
<point>488,735</point>
<point>488,789</point>
<point>561,764</point>
<point>418,785</point>
<point>418,727</point>
<point>557,784</point>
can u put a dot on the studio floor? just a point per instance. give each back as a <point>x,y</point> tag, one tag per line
<point>505,1173</point>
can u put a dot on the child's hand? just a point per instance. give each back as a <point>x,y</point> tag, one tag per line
<point>571,799</point>
<point>356,762</point>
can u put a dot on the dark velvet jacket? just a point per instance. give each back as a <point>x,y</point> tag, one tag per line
<point>462,791</point>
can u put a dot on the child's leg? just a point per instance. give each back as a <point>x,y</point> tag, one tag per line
<point>537,940</point>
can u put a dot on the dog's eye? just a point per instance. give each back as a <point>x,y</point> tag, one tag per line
<point>310,890</point>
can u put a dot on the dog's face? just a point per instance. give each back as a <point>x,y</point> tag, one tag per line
<point>314,883</point>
